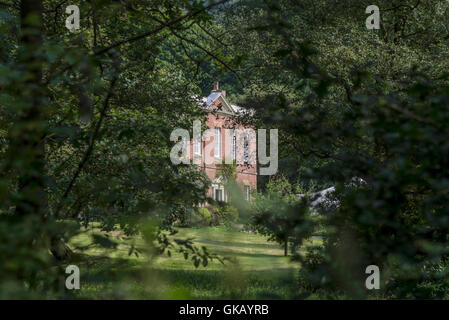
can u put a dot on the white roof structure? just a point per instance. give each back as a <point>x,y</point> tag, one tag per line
<point>324,197</point>
<point>321,198</point>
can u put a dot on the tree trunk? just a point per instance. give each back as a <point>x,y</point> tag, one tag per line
<point>28,134</point>
<point>286,246</point>
<point>26,156</point>
<point>59,249</point>
<point>28,131</point>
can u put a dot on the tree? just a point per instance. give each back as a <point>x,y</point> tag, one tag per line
<point>280,215</point>
<point>357,104</point>
<point>86,116</point>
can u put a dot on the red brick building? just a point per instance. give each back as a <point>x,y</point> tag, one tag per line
<point>227,140</point>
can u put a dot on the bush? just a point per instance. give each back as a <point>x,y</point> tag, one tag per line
<point>200,217</point>
<point>227,214</point>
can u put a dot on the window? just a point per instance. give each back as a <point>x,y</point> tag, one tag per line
<point>246,190</point>
<point>246,148</point>
<point>233,146</point>
<point>217,140</point>
<point>197,144</point>
<point>218,195</point>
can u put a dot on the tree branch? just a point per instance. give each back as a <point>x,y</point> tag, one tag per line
<point>199,47</point>
<point>159,29</point>
<point>91,145</point>
<point>9,5</point>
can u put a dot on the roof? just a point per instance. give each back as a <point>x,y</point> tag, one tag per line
<point>324,197</point>
<point>212,97</point>
<point>206,102</point>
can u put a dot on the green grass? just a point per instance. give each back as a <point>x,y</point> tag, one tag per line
<point>261,270</point>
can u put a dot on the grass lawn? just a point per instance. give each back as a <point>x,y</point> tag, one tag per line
<point>261,270</point>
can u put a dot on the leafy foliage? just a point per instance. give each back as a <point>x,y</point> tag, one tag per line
<point>200,217</point>
<point>280,215</point>
<point>85,120</point>
<point>360,110</point>
<point>227,214</point>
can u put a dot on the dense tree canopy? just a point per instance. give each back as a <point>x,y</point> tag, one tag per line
<point>86,116</point>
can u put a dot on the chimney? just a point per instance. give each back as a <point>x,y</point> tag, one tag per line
<point>216,89</point>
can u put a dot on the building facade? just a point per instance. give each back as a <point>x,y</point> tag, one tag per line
<point>227,141</point>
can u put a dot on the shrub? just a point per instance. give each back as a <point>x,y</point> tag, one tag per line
<point>227,214</point>
<point>205,215</point>
<point>200,217</point>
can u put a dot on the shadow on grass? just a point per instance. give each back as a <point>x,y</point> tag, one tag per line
<point>248,245</point>
<point>237,284</point>
<point>102,275</point>
<point>237,254</point>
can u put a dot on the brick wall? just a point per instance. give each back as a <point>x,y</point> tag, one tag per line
<point>246,172</point>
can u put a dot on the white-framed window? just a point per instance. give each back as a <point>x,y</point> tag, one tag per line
<point>218,195</point>
<point>246,190</point>
<point>217,140</point>
<point>197,145</point>
<point>246,148</point>
<point>234,146</point>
